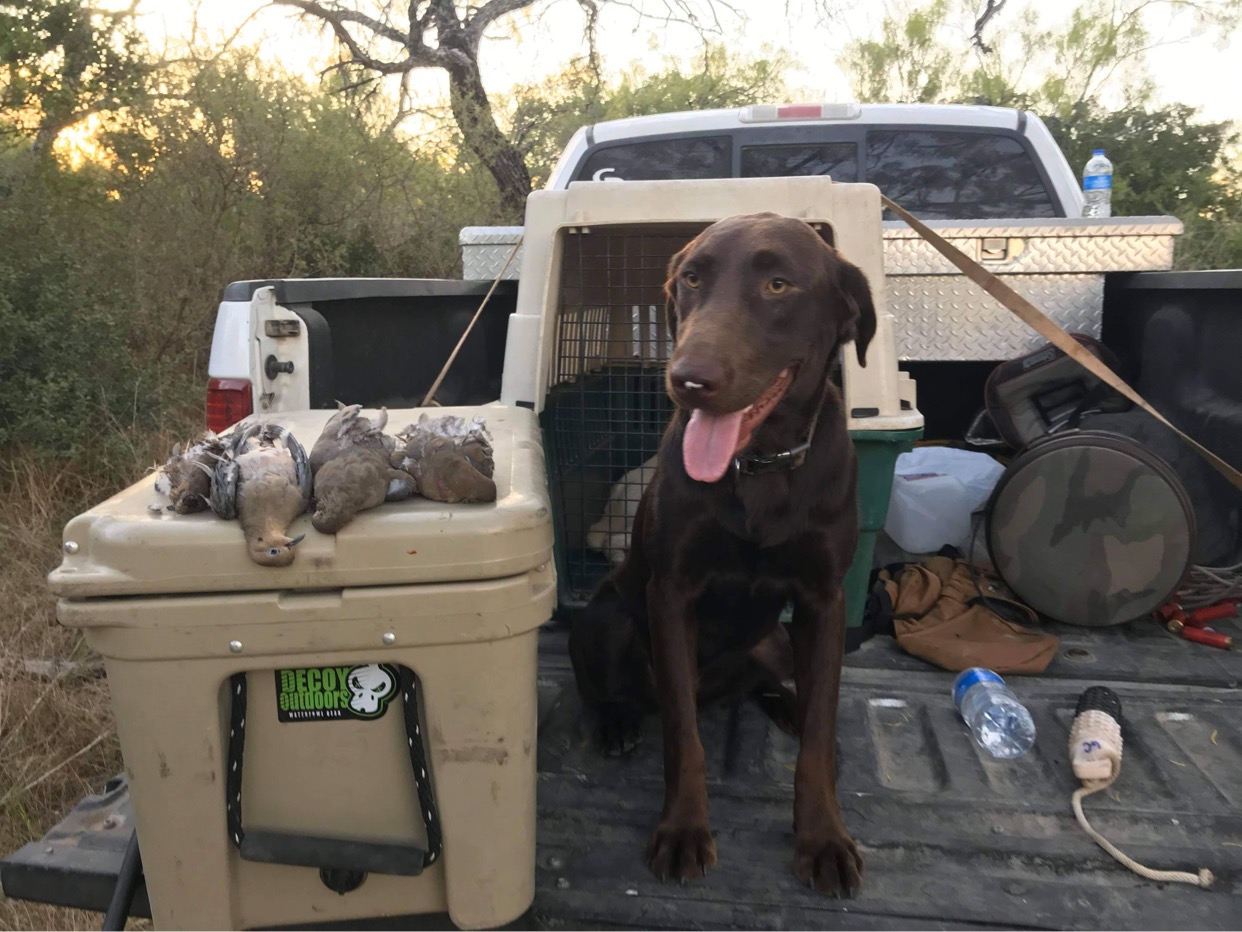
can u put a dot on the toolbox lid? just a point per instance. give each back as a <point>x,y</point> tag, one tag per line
<point>132,545</point>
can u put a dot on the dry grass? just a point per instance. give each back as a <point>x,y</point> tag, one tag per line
<point>57,738</point>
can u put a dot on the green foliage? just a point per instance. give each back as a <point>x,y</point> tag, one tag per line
<point>111,273</point>
<point>63,59</point>
<point>908,63</point>
<point>269,177</point>
<point>924,55</point>
<point>1167,163</point>
<point>715,79</point>
<point>65,366</point>
<point>545,115</point>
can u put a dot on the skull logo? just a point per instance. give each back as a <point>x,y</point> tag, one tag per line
<point>370,686</point>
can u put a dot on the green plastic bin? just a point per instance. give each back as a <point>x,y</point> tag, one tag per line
<point>877,452</point>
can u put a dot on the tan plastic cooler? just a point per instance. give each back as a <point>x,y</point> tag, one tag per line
<point>324,765</point>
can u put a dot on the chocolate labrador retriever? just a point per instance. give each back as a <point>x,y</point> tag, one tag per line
<point>752,505</point>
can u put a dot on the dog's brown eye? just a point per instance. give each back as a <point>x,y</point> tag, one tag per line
<point>778,285</point>
<point>691,279</point>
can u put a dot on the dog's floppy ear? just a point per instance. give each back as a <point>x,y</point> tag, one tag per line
<point>857,292</point>
<point>670,288</point>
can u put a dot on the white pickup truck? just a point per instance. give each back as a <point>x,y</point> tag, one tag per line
<point>991,180</point>
<point>967,165</point>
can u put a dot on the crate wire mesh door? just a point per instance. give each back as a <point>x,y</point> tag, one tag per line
<point>606,408</point>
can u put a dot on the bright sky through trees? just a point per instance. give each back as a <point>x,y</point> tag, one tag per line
<point>1195,70</point>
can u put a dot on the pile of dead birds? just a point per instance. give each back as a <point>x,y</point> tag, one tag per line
<point>260,474</point>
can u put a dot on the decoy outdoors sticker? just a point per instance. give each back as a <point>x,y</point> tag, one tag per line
<point>317,694</point>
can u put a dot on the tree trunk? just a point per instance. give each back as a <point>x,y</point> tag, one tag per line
<point>473,113</point>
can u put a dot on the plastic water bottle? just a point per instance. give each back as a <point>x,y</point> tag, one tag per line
<point>1000,723</point>
<point>1097,186</point>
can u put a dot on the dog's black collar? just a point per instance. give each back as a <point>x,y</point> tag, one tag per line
<point>752,464</point>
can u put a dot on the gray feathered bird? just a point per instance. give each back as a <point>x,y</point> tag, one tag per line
<point>347,430</point>
<point>264,480</point>
<point>351,462</point>
<point>186,477</point>
<point>353,481</point>
<point>451,459</point>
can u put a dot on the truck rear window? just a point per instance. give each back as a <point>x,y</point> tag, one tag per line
<point>937,174</point>
<point>838,159</point>
<point>951,176</point>
<point>661,160</point>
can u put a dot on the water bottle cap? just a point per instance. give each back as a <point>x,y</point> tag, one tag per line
<point>968,678</point>
<point>1097,151</point>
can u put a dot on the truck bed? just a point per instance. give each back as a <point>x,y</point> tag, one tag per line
<point>951,838</point>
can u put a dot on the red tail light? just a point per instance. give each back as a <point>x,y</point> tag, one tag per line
<point>800,112</point>
<point>228,401</point>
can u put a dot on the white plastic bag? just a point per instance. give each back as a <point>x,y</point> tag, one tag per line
<point>935,491</point>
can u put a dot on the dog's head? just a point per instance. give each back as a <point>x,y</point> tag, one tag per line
<point>758,306</point>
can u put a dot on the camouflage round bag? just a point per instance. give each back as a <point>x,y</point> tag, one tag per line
<point>1090,528</point>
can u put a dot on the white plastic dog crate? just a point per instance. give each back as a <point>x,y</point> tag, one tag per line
<point>588,343</point>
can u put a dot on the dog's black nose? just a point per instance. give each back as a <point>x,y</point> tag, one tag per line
<point>695,380</point>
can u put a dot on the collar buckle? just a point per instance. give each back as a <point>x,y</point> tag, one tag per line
<point>752,464</point>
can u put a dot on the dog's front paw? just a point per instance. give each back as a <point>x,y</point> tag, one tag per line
<point>620,728</point>
<point>681,851</point>
<point>830,864</point>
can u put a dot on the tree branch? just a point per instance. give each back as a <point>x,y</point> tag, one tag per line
<point>683,12</point>
<point>591,9</point>
<point>417,56</point>
<point>336,16</point>
<point>487,14</point>
<point>417,27</point>
<point>993,7</point>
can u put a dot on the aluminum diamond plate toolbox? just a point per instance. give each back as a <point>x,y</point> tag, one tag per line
<point>484,251</point>
<point>1059,265</point>
<point>1037,247</point>
<point>948,318</point>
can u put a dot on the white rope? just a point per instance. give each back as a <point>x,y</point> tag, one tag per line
<point>1207,585</point>
<point>435,386</point>
<point>1095,750</point>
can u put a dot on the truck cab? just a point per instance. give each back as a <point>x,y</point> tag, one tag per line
<point>941,162</point>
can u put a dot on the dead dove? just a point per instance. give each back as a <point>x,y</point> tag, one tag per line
<point>263,480</point>
<point>186,477</point>
<point>352,468</point>
<point>450,460</point>
<point>348,429</point>
<point>353,481</point>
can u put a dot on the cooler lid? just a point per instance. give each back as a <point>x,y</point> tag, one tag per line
<point>125,546</point>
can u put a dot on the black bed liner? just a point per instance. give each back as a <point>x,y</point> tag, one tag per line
<point>952,839</point>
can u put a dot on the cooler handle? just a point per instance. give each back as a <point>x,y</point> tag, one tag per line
<point>330,854</point>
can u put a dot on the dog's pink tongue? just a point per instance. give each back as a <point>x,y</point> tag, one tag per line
<point>709,444</point>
